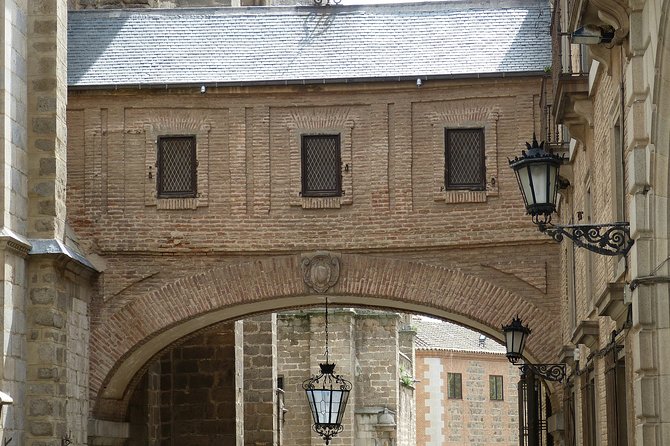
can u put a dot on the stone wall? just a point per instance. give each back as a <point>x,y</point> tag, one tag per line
<point>260,377</point>
<point>13,246</point>
<point>364,346</point>
<point>57,399</point>
<point>188,395</point>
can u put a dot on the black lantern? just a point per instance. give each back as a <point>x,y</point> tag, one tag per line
<point>537,174</point>
<point>327,395</point>
<point>515,339</point>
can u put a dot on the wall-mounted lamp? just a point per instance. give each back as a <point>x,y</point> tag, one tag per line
<point>537,173</point>
<point>5,400</point>
<point>515,341</point>
<point>592,35</point>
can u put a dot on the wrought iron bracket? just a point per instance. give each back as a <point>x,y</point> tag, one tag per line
<point>550,372</point>
<point>610,239</point>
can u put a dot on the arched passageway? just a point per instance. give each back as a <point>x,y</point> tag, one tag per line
<point>146,325</point>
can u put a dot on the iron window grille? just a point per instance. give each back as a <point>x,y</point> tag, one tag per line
<point>177,167</point>
<point>454,389</point>
<point>464,159</point>
<point>496,387</point>
<point>321,166</point>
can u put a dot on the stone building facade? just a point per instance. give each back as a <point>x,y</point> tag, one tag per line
<point>612,98</point>
<point>466,390</point>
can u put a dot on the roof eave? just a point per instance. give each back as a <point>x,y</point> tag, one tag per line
<point>324,81</point>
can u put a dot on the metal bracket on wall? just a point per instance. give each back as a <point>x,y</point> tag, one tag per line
<point>550,372</point>
<point>610,239</point>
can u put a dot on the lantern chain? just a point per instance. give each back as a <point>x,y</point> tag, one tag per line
<point>327,331</point>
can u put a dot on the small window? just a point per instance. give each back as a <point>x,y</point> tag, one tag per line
<point>321,166</point>
<point>454,386</point>
<point>496,387</point>
<point>464,159</point>
<point>176,167</point>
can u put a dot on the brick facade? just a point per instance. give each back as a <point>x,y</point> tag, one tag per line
<point>249,188</point>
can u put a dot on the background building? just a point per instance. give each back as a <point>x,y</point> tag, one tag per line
<point>466,391</point>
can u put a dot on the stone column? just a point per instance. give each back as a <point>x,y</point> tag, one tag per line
<point>647,180</point>
<point>57,349</point>
<point>47,134</point>
<point>13,244</point>
<point>260,376</point>
<point>56,399</point>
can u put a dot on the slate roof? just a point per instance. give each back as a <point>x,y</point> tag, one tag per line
<point>439,335</point>
<point>234,46</point>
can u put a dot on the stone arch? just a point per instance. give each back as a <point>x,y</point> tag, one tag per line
<point>126,341</point>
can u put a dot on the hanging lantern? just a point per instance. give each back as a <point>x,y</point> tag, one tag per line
<point>515,339</point>
<point>537,174</point>
<point>327,395</point>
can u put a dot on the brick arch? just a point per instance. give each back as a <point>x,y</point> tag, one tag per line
<point>126,341</point>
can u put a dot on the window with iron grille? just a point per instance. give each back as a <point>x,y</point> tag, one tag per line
<point>464,159</point>
<point>321,166</point>
<point>496,387</point>
<point>176,167</point>
<point>454,390</point>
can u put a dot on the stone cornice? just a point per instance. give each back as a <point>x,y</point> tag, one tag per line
<point>11,241</point>
<point>67,257</point>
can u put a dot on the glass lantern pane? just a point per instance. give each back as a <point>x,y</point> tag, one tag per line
<point>539,175</point>
<point>509,341</point>
<point>553,170</point>
<point>526,189</point>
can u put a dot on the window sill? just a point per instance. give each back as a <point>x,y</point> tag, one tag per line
<point>321,202</point>
<point>464,196</point>
<point>176,203</point>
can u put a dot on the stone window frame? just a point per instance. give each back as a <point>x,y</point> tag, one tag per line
<point>152,133</point>
<point>295,151</point>
<point>454,393</point>
<point>456,119</point>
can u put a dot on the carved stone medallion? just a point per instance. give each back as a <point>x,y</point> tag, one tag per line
<point>320,270</point>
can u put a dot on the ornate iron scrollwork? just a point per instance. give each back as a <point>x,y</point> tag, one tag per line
<point>610,239</point>
<point>550,372</point>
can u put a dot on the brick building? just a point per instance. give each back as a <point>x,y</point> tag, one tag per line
<point>96,233</point>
